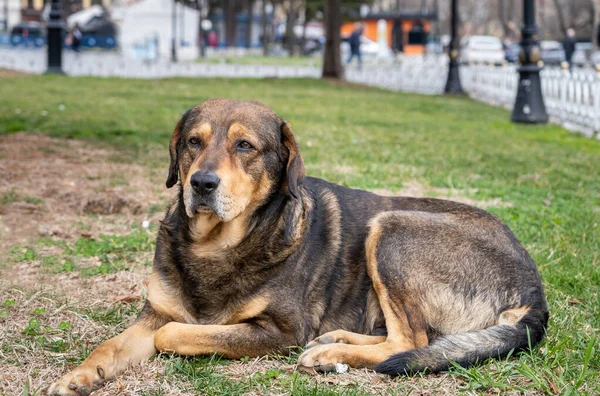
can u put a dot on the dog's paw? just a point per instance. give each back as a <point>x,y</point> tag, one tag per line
<point>321,358</point>
<point>332,337</point>
<point>79,382</point>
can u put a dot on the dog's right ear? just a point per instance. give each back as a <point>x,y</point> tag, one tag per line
<point>295,165</point>
<point>173,143</point>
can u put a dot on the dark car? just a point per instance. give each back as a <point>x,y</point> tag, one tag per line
<point>28,34</point>
<point>100,31</point>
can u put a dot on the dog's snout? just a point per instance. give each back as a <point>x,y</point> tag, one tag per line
<point>204,182</point>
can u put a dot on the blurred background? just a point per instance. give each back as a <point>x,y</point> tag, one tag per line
<point>151,30</point>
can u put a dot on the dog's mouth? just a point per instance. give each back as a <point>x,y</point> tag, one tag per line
<point>195,204</point>
<point>203,208</point>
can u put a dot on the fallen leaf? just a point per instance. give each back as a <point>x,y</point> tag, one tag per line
<point>377,379</point>
<point>554,387</point>
<point>126,299</point>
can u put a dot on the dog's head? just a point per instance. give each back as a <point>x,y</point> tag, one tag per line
<point>232,156</point>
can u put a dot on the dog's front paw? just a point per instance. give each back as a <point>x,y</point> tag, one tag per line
<point>321,358</point>
<point>79,382</point>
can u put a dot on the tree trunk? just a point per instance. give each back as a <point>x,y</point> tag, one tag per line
<point>502,17</point>
<point>332,62</point>
<point>561,17</point>
<point>304,26</point>
<point>201,42</point>
<point>230,23</point>
<point>250,22</point>
<point>596,38</point>
<point>265,33</point>
<point>290,37</point>
<point>436,11</point>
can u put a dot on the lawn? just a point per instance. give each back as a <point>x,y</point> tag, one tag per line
<point>84,162</point>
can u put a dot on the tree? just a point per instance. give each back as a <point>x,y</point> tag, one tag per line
<point>596,28</point>
<point>230,22</point>
<point>265,32</point>
<point>290,36</point>
<point>332,60</point>
<point>250,23</point>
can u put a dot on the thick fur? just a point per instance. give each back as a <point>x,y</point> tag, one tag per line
<point>272,259</point>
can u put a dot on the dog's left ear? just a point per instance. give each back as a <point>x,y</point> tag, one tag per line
<point>295,171</point>
<point>174,165</point>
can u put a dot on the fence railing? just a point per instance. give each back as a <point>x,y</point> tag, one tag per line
<point>421,75</point>
<point>572,98</point>
<point>109,64</point>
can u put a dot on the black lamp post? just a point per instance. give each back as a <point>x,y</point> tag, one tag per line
<point>529,104</point>
<point>55,39</point>
<point>174,32</point>
<point>453,86</point>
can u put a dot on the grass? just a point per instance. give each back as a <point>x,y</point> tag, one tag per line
<point>371,139</point>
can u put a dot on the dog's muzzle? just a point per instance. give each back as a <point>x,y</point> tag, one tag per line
<point>204,183</point>
<point>203,196</point>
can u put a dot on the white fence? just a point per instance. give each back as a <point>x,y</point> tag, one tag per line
<point>104,64</point>
<point>572,98</point>
<point>421,75</point>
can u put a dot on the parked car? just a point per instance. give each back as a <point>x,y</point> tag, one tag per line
<point>552,52</point>
<point>582,54</point>
<point>487,49</point>
<point>511,53</point>
<point>595,58</point>
<point>28,34</point>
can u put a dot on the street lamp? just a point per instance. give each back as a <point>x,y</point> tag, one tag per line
<point>55,39</point>
<point>453,86</point>
<point>529,104</point>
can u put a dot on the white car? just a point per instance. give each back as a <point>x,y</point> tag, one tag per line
<point>482,49</point>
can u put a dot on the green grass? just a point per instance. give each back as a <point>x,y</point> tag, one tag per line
<point>113,253</point>
<point>382,139</point>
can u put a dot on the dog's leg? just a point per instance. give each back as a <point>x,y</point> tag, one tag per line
<point>345,337</point>
<point>231,341</point>
<point>404,322</point>
<point>131,347</point>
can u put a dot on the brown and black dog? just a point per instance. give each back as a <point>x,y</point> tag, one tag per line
<point>253,257</point>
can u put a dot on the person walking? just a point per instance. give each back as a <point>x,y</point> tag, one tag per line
<point>569,46</point>
<point>76,37</point>
<point>354,41</point>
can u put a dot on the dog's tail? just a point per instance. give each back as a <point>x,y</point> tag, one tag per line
<point>470,348</point>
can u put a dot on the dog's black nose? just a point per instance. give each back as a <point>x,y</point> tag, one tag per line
<point>204,182</point>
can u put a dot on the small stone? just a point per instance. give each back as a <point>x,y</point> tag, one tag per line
<point>341,368</point>
<point>145,224</point>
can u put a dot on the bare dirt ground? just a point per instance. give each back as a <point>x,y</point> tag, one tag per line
<point>65,190</point>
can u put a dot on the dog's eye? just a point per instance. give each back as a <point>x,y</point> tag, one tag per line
<point>194,141</point>
<point>245,146</point>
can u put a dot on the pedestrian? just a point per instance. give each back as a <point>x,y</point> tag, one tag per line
<point>569,46</point>
<point>354,41</point>
<point>76,37</point>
